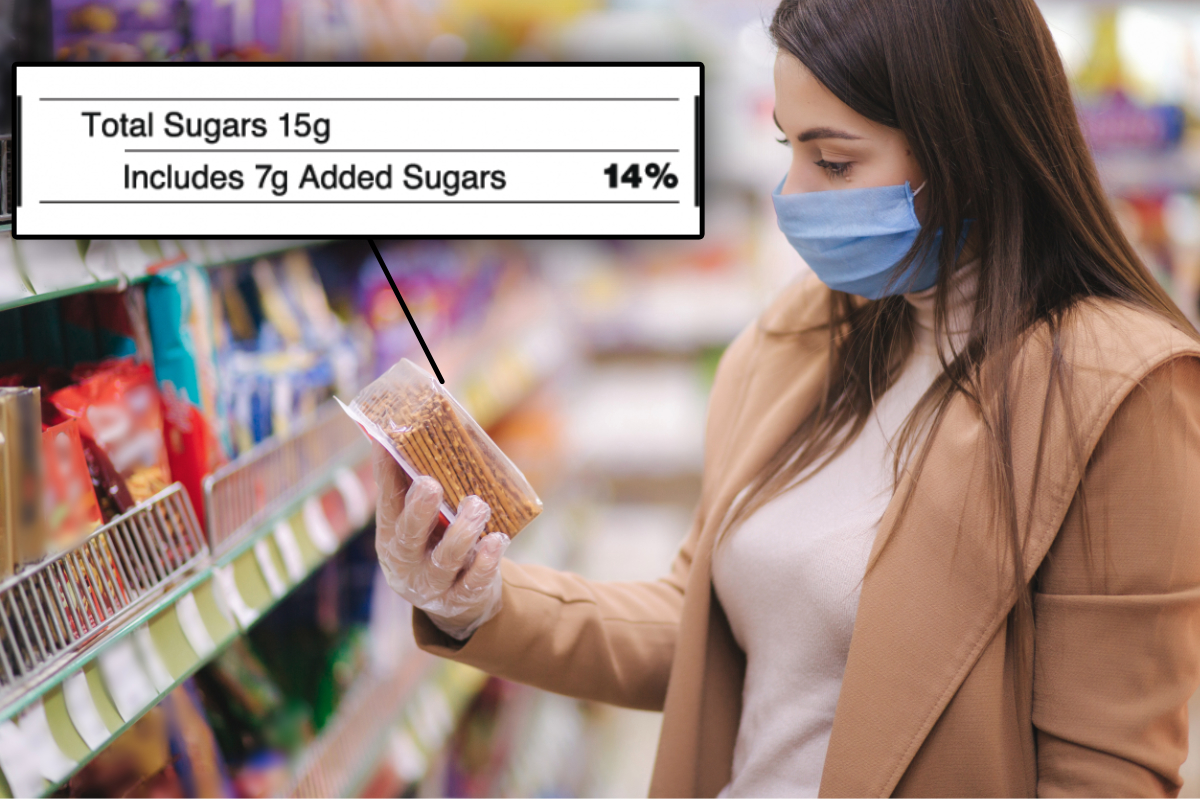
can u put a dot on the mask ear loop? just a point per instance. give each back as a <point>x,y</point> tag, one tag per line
<point>917,191</point>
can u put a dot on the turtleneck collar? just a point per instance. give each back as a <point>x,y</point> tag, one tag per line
<point>963,287</point>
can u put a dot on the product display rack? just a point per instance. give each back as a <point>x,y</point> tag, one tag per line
<point>266,510</point>
<point>98,634</point>
<point>268,530</point>
<point>94,637</point>
<point>338,763</point>
<point>1175,170</point>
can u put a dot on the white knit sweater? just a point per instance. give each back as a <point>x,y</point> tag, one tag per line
<point>789,580</point>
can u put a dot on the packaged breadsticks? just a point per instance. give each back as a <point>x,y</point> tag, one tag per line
<point>428,433</point>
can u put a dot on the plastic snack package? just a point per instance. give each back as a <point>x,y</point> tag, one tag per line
<point>118,407</point>
<point>428,433</point>
<point>72,511</point>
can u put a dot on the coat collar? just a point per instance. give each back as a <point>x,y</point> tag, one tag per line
<point>939,582</point>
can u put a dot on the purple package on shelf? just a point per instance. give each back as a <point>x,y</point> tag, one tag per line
<point>219,29</point>
<point>212,28</point>
<point>109,17</point>
<point>123,46</point>
<point>268,24</point>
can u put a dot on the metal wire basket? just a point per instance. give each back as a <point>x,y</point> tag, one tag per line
<point>248,491</point>
<point>55,609</point>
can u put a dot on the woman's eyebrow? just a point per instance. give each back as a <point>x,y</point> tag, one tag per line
<point>817,133</point>
<point>825,133</point>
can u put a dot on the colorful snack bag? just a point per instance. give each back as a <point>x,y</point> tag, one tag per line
<point>178,309</point>
<point>109,487</point>
<point>118,406</point>
<point>193,451</point>
<point>72,511</point>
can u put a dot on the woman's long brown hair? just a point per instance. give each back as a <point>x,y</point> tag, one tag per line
<point>978,89</point>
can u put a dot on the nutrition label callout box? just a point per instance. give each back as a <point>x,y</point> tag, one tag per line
<point>209,151</point>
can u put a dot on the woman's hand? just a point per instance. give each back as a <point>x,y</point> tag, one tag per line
<point>455,580</point>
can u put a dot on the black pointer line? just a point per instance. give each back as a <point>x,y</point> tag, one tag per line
<point>404,306</point>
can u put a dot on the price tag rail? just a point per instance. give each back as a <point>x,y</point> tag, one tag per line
<point>34,270</point>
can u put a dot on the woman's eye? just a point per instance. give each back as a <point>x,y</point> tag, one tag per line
<point>835,169</point>
<point>784,142</point>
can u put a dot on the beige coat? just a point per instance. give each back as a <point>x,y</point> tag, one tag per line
<point>927,706</point>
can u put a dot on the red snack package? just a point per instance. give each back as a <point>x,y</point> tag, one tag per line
<point>118,406</point>
<point>71,508</point>
<point>192,446</point>
<point>108,485</point>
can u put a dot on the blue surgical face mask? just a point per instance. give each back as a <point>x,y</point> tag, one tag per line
<point>854,238</point>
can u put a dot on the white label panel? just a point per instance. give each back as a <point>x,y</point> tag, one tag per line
<point>53,763</point>
<point>83,712</point>
<point>193,625</point>
<point>293,561</point>
<point>320,532</point>
<point>127,682</point>
<point>155,666</point>
<point>370,150</point>
<point>262,554</point>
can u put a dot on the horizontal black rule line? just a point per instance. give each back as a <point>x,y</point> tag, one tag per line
<point>403,150</point>
<point>359,99</point>
<point>350,202</point>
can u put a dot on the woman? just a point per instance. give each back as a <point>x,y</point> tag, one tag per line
<point>949,540</point>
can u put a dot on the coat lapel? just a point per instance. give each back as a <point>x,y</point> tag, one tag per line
<point>940,582</point>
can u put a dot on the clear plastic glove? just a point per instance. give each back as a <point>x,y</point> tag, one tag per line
<point>455,579</point>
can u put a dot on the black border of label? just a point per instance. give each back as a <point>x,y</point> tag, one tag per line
<point>698,125</point>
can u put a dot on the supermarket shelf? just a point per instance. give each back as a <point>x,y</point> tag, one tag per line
<point>194,612</point>
<point>492,369</point>
<point>94,637</point>
<point>1138,172</point>
<point>333,765</point>
<point>405,714</point>
<point>251,491</point>
<point>285,508</point>
<point>35,270</point>
<point>54,611</point>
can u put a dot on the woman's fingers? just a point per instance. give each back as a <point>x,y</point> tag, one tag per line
<point>450,556</point>
<point>418,520</point>
<point>481,575</point>
<point>406,517</point>
<point>392,483</point>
